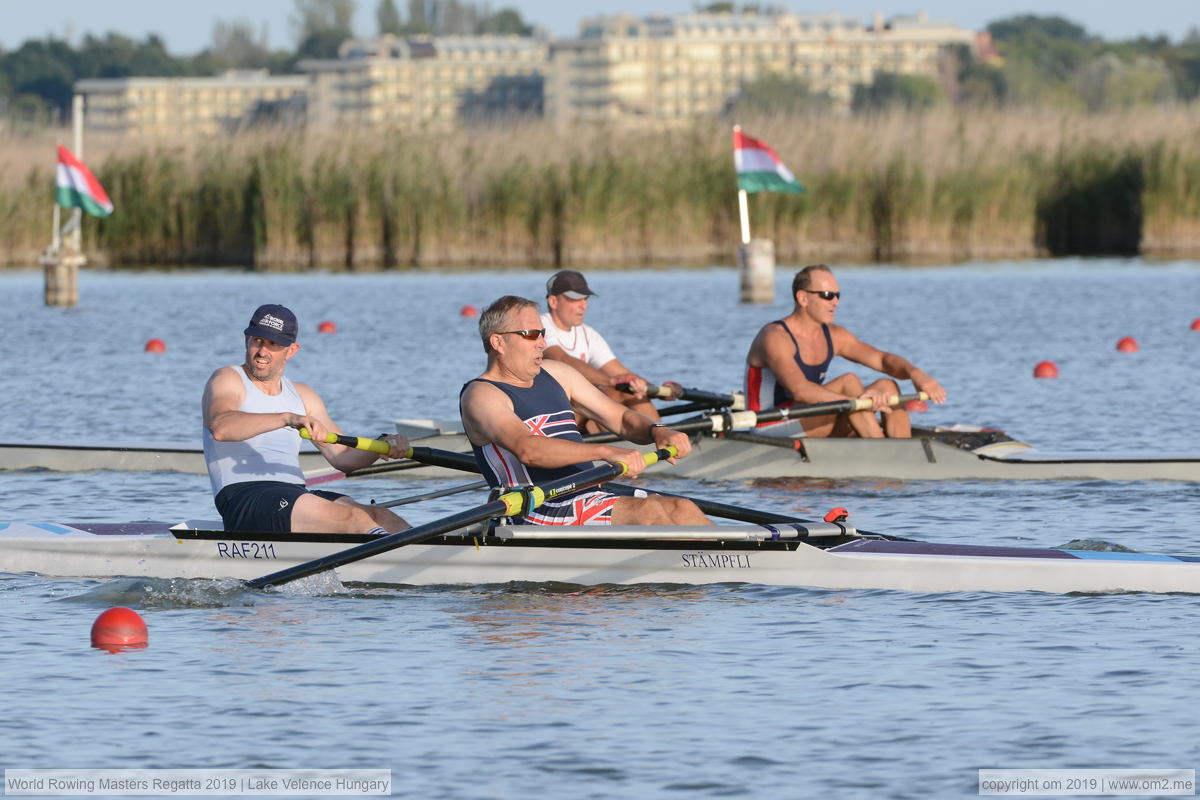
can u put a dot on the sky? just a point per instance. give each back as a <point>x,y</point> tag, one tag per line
<point>187,27</point>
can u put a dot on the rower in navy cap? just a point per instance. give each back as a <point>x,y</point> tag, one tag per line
<point>252,414</point>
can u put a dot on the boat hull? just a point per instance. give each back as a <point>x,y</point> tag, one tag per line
<point>580,556</point>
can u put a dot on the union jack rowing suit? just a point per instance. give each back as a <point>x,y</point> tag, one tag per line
<point>545,410</point>
<point>763,391</point>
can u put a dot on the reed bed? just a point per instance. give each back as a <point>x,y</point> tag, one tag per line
<point>939,186</point>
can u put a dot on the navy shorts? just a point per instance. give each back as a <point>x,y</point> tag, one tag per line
<point>262,506</point>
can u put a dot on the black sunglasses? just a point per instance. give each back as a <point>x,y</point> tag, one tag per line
<point>824,295</point>
<point>532,334</point>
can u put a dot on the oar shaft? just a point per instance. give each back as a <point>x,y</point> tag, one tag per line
<point>732,420</point>
<point>403,501</point>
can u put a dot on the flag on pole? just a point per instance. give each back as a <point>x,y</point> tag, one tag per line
<point>758,168</point>
<point>77,187</point>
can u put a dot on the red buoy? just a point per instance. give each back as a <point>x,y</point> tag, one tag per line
<point>1196,324</point>
<point>1127,345</point>
<point>156,346</point>
<point>916,406</point>
<point>1045,369</point>
<point>469,311</point>
<point>119,628</point>
<point>327,327</point>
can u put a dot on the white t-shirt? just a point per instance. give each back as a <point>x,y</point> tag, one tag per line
<point>582,342</point>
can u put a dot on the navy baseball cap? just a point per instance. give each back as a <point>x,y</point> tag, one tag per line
<point>273,322</point>
<point>570,283</point>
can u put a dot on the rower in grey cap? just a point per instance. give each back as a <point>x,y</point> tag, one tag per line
<point>571,341</point>
<point>253,453</point>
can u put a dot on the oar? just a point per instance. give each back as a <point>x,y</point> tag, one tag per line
<point>508,504</point>
<point>726,511</point>
<point>735,401</point>
<point>357,442</point>
<point>417,498</point>
<point>733,420</point>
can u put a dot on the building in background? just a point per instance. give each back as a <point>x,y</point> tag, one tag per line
<point>619,70</point>
<point>441,81</point>
<point>666,69</point>
<point>162,107</point>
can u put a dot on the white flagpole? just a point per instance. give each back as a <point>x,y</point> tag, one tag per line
<point>77,120</point>
<point>744,213</point>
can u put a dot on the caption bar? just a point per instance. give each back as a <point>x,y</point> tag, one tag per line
<point>1017,782</point>
<point>172,782</point>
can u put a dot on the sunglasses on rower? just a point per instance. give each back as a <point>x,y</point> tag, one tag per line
<point>532,334</point>
<point>824,295</point>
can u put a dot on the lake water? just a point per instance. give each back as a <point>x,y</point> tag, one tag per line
<point>646,692</point>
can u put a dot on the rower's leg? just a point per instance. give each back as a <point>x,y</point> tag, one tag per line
<point>862,423</point>
<point>657,510</point>
<point>313,514</point>
<point>896,423</point>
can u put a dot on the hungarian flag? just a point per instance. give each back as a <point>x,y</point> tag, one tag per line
<point>77,187</point>
<point>758,168</point>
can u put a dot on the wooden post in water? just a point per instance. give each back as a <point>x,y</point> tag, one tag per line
<point>63,258</point>
<point>756,261</point>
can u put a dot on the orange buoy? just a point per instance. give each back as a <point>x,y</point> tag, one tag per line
<point>469,311</point>
<point>1045,369</point>
<point>1127,345</point>
<point>119,628</point>
<point>916,406</point>
<point>1196,324</point>
<point>327,327</point>
<point>156,346</point>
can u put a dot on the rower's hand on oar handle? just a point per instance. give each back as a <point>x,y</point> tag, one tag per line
<point>928,386</point>
<point>877,401</point>
<point>388,445</point>
<point>670,390</point>
<point>630,384</point>
<point>664,436</point>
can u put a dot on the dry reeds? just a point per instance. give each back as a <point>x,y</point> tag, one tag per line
<point>941,186</point>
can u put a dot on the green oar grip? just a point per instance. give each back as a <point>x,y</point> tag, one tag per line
<point>357,442</point>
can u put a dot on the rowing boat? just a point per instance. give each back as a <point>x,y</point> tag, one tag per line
<point>958,453</point>
<point>817,555</point>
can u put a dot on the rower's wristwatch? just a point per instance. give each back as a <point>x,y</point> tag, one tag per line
<point>654,425</point>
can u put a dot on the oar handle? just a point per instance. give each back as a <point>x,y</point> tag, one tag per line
<point>357,442</point>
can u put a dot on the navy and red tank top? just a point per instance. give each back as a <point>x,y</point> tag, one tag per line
<point>763,391</point>
<point>546,411</point>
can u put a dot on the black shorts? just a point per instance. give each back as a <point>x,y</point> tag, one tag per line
<point>262,506</point>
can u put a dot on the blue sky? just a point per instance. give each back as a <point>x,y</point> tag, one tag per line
<point>187,26</point>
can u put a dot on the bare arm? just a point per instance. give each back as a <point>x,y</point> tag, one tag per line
<point>339,456</point>
<point>582,367</point>
<point>851,347</point>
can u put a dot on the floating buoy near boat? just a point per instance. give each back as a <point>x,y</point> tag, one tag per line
<point>156,346</point>
<point>327,327</point>
<point>1196,324</point>
<point>1127,345</point>
<point>118,628</point>
<point>469,311</point>
<point>1045,369</point>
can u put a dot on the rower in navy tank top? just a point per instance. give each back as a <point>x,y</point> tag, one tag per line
<point>545,410</point>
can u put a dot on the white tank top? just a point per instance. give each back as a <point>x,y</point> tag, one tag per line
<point>270,456</point>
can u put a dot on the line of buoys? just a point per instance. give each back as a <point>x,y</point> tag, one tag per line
<point>469,311</point>
<point>1045,369</point>
<point>156,346</point>
<point>327,327</point>
<point>119,628</point>
<point>1127,345</point>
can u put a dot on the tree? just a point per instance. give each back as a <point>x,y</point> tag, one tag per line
<point>388,18</point>
<point>1108,82</point>
<point>890,90</point>
<point>778,95</point>
<point>322,16</point>
<point>506,21</point>
<point>235,45</point>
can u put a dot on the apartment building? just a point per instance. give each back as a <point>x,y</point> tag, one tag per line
<point>162,107</point>
<point>426,81</point>
<point>666,69</point>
